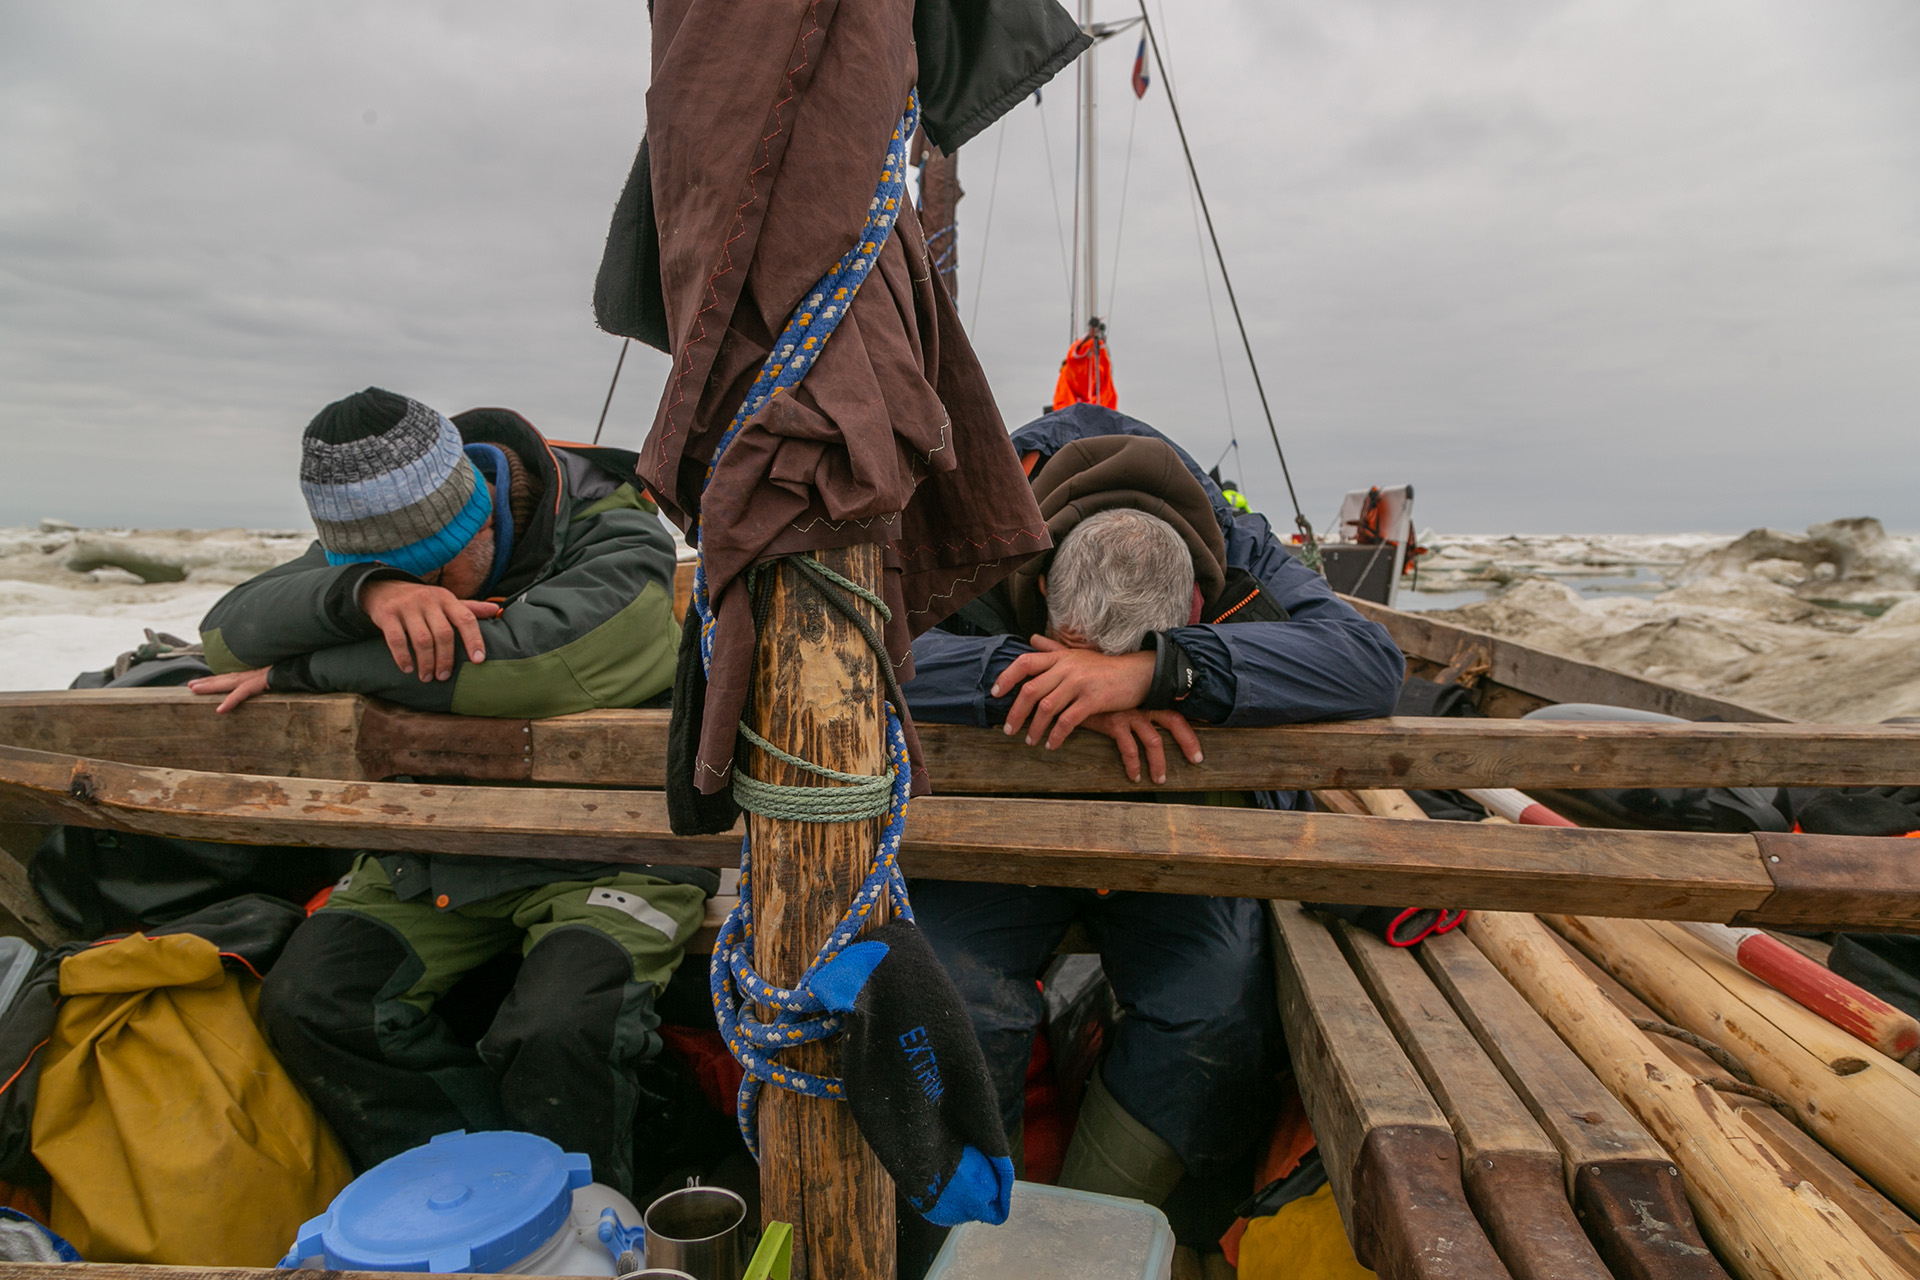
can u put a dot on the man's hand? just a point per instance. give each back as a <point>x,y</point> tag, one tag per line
<point>237,685</point>
<point>1061,687</point>
<point>424,625</point>
<point>1135,732</point>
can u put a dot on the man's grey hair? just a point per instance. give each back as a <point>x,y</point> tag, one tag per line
<point>1118,575</point>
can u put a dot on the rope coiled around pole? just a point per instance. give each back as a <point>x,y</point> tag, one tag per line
<point>799,1017</point>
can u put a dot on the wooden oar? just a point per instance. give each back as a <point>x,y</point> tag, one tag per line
<point>1389,1152</point>
<point>1762,1224</point>
<point>1626,1190</point>
<point>1862,1105</point>
<point>1847,1005</point>
<point>1512,1173</point>
<point>1884,1221</point>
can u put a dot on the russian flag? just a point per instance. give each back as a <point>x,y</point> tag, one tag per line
<point>1140,80</point>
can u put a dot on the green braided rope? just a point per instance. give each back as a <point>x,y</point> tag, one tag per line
<point>855,795</point>
<point>819,569</point>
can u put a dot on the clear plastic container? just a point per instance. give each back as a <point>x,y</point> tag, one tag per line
<point>1063,1235</point>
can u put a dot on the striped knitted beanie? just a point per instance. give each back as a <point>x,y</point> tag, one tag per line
<point>386,479</point>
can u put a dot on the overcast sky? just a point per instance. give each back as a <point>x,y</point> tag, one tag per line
<point>1586,265</point>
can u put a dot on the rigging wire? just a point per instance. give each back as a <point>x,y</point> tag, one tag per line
<point>1120,224</point>
<point>1206,281</point>
<point>617,364</point>
<point>1079,159</point>
<point>1053,189</point>
<point>1312,556</point>
<point>986,233</point>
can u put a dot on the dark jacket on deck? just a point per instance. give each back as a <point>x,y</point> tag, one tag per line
<point>1324,662</point>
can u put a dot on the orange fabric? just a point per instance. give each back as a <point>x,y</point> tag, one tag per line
<point>1086,376</point>
<point>1287,1145</point>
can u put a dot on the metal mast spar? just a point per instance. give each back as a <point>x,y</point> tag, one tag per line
<point>1089,176</point>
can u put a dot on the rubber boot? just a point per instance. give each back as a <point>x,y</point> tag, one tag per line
<point>1114,1154</point>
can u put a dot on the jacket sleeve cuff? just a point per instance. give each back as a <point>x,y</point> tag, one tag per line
<point>1212,693</point>
<point>342,603</point>
<point>292,675</point>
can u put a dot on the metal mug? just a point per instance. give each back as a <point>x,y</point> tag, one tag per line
<point>697,1230</point>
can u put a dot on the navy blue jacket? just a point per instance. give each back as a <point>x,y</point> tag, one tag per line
<point>1325,662</point>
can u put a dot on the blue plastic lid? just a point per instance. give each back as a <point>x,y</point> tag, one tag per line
<point>464,1202</point>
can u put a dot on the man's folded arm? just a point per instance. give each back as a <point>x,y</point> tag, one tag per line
<point>599,633</point>
<point>294,608</point>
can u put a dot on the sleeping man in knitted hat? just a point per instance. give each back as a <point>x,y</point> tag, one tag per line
<point>469,565</point>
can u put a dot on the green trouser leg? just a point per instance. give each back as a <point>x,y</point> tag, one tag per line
<point>1114,1154</point>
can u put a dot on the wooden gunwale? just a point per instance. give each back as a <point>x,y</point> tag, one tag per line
<point>353,738</point>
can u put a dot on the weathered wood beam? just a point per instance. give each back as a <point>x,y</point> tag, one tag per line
<point>1625,1190</point>
<point>349,737</point>
<point>1389,1153</point>
<point>1512,1173</point>
<point>1256,853</point>
<point>1550,677</point>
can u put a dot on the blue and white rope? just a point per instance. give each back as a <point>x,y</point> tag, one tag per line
<point>799,1016</point>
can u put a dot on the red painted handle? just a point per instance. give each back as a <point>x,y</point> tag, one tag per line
<point>1854,1010</point>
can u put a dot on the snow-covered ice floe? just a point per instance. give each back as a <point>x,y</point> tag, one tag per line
<point>1821,626</point>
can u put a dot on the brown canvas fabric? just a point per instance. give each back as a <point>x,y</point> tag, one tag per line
<point>768,121</point>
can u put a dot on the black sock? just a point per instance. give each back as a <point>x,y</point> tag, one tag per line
<point>916,1079</point>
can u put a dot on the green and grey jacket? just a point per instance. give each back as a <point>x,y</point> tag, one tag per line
<point>587,602</point>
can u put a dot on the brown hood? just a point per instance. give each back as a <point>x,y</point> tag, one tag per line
<point>1100,473</point>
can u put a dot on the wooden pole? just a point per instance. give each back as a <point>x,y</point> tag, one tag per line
<point>817,693</point>
<point>940,215</point>
<point>1765,1223</point>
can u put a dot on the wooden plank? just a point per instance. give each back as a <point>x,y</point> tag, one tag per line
<point>1551,677</point>
<point>1390,1156</point>
<point>1152,848</point>
<point>1832,878</point>
<point>1861,1105</point>
<point>1878,1216</point>
<point>1512,1173</point>
<point>350,737</point>
<point>290,735</point>
<point>1763,1221</point>
<point>817,694</point>
<point>1625,1190</point>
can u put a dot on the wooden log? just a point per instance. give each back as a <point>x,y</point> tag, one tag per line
<point>349,737</point>
<point>1513,1175</point>
<point>1764,1220</point>
<point>1883,1221</point>
<point>1626,1191</point>
<point>1072,843</point>
<point>1550,677</point>
<point>1862,1105</point>
<point>1390,1156</point>
<point>817,694</point>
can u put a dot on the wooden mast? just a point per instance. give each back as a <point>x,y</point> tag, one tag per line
<point>817,693</point>
<point>940,214</point>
